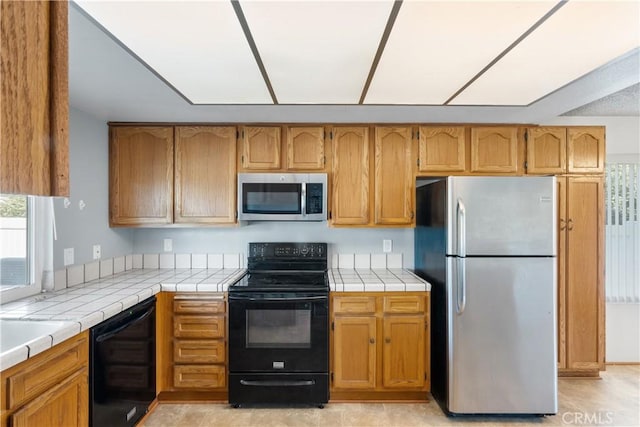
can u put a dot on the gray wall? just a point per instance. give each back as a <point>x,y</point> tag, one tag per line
<point>235,239</point>
<point>89,174</point>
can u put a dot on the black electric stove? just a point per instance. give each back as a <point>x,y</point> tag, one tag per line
<point>279,326</point>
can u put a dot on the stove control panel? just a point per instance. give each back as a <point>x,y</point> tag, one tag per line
<point>288,250</point>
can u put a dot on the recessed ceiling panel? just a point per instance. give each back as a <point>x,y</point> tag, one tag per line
<point>580,37</point>
<point>317,52</point>
<point>198,47</point>
<point>436,47</point>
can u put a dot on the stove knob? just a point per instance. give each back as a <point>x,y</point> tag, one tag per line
<point>304,250</point>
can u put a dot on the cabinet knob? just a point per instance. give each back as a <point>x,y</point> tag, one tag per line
<point>372,340</point>
<point>387,340</point>
<point>562,224</point>
<point>570,225</point>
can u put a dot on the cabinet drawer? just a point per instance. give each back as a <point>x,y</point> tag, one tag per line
<point>199,304</point>
<point>354,304</point>
<point>198,326</point>
<point>40,375</point>
<point>198,351</point>
<point>404,304</point>
<point>198,376</point>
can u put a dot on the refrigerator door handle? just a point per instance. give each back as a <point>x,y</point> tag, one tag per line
<point>462,252</point>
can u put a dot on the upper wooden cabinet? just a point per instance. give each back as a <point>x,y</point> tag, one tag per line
<point>350,196</point>
<point>546,150</point>
<point>560,150</point>
<point>494,149</point>
<point>585,149</point>
<point>261,147</point>
<point>442,149</point>
<point>394,182</point>
<point>205,174</point>
<point>34,106</point>
<point>305,148</point>
<point>142,168</point>
<point>141,175</point>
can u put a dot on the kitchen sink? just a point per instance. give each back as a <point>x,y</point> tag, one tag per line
<point>15,333</point>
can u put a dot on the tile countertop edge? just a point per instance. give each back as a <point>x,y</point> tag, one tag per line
<point>376,280</point>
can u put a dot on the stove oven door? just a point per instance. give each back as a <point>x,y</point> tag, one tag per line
<point>278,333</point>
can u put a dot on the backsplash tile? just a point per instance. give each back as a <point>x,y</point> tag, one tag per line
<point>166,261</point>
<point>183,261</point>
<point>346,261</point>
<point>394,260</point>
<point>137,261</point>
<point>214,261</point>
<point>91,271</point>
<point>378,261</point>
<point>231,261</point>
<point>106,268</point>
<point>362,261</point>
<point>198,260</point>
<point>118,264</point>
<point>60,279</point>
<point>150,261</point>
<point>75,275</point>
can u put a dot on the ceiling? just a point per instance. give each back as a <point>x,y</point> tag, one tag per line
<point>378,60</point>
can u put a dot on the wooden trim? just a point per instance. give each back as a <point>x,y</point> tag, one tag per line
<point>622,364</point>
<point>193,396</point>
<point>59,100</point>
<point>378,396</point>
<point>572,373</point>
<point>164,342</point>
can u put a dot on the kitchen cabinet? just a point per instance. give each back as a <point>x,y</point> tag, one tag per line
<point>494,150</point>
<point>34,112</point>
<point>140,175</point>
<point>305,148</point>
<point>205,174</point>
<point>51,387</point>
<point>581,275</point>
<point>261,146</point>
<point>192,346</point>
<point>351,176</point>
<point>144,172</point>
<point>561,150</point>
<point>394,176</point>
<point>379,345</point>
<point>442,149</point>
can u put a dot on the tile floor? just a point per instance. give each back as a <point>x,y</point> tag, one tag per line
<point>614,401</point>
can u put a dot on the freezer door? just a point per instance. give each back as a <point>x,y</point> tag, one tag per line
<point>502,340</point>
<point>502,215</point>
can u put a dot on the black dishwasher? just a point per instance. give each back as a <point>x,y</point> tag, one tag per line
<point>122,379</point>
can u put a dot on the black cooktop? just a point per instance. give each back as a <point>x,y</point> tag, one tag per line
<point>281,281</point>
<point>285,267</point>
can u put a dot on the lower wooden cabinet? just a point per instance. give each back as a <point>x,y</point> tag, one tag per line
<point>192,346</point>
<point>50,388</point>
<point>380,345</point>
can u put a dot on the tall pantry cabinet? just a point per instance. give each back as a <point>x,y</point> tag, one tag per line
<point>576,156</point>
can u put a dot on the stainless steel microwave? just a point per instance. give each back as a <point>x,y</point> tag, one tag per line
<point>282,196</point>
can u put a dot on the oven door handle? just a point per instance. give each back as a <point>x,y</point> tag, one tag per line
<point>272,383</point>
<point>284,299</point>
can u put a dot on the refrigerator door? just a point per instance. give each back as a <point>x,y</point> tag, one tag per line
<point>502,216</point>
<point>502,339</point>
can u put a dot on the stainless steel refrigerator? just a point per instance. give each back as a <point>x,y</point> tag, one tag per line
<point>487,245</point>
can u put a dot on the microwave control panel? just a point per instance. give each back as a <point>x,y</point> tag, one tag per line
<point>314,199</point>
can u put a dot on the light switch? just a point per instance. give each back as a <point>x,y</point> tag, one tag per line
<point>386,245</point>
<point>97,252</point>
<point>68,256</point>
<point>168,245</point>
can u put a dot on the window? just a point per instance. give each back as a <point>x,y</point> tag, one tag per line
<point>622,232</point>
<point>25,245</point>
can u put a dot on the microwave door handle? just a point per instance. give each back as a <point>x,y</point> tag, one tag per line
<point>303,199</point>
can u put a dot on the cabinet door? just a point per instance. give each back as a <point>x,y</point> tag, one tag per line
<point>261,147</point>
<point>441,149</point>
<point>585,149</point>
<point>403,357</point>
<point>585,273</point>
<point>205,174</point>
<point>198,326</point>
<point>66,404</point>
<point>141,175</point>
<point>394,176</point>
<point>350,201</point>
<point>305,148</point>
<point>34,106</point>
<point>354,352</point>
<point>199,376</point>
<point>547,150</point>
<point>494,149</point>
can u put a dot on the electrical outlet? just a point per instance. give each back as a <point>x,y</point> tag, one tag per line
<point>386,245</point>
<point>68,256</point>
<point>97,252</point>
<point>168,245</point>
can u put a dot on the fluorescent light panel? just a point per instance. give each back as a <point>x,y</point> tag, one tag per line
<point>317,52</point>
<point>578,38</point>
<point>198,47</point>
<point>436,47</point>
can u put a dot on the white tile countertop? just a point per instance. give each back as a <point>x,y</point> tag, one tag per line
<point>76,309</point>
<point>375,280</point>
